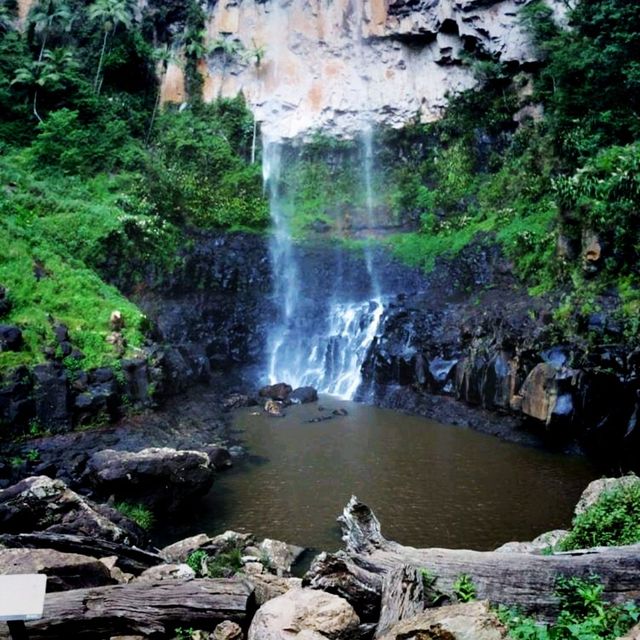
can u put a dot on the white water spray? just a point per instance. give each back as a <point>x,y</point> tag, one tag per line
<point>321,345</point>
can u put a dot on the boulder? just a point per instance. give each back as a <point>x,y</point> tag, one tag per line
<point>274,408</point>
<point>228,630</point>
<point>167,572</point>
<point>298,612</point>
<point>278,391</point>
<point>159,478</point>
<point>97,400</point>
<point>10,338</point>
<point>267,586</point>
<point>42,504</point>
<point>181,550</point>
<point>280,556</point>
<point>595,489</point>
<point>220,457</point>
<point>544,541</point>
<point>237,401</point>
<point>632,634</point>
<point>468,621</point>
<point>303,395</point>
<point>64,571</point>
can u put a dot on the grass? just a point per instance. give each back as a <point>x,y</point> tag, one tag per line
<point>54,232</point>
<point>140,514</point>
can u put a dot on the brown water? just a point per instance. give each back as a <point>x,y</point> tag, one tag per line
<point>430,484</point>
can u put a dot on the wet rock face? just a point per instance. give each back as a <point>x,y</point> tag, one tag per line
<point>492,349</point>
<point>311,75</point>
<point>214,310</point>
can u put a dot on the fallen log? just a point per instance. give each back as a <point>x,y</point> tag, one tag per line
<point>130,559</point>
<point>520,579</point>
<point>148,609</point>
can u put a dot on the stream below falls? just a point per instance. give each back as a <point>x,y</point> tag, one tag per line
<point>431,485</point>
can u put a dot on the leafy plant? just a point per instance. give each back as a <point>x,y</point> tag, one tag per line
<point>197,560</point>
<point>584,615</point>
<point>464,589</point>
<point>140,514</point>
<point>221,565</point>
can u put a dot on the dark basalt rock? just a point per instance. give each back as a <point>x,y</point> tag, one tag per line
<point>160,478</point>
<point>303,395</point>
<point>52,397</point>
<point>279,391</point>
<point>10,338</point>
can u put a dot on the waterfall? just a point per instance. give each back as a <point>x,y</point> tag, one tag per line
<point>316,342</point>
<point>321,343</point>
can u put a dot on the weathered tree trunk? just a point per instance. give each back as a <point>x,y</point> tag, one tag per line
<point>149,609</point>
<point>130,559</point>
<point>402,597</point>
<point>525,580</point>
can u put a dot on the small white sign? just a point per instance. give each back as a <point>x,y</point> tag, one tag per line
<point>22,596</point>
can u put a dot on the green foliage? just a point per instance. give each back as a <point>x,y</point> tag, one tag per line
<point>198,173</point>
<point>613,520</point>
<point>591,81</point>
<point>464,589</point>
<point>74,147</point>
<point>222,565</point>
<point>584,615</point>
<point>140,514</point>
<point>198,562</point>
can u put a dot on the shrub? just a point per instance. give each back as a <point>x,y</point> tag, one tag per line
<point>613,520</point>
<point>464,589</point>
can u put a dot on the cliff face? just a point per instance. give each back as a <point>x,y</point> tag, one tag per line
<point>339,65</point>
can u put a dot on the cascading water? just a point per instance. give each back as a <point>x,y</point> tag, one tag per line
<point>314,343</point>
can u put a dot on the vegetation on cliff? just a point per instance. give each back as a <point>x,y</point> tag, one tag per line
<point>97,185</point>
<point>546,162</point>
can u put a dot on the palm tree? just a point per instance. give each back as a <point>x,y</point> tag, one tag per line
<point>163,55</point>
<point>110,13</point>
<point>194,47</point>
<point>6,19</point>
<point>230,49</point>
<point>255,54</point>
<point>47,15</point>
<point>48,73</point>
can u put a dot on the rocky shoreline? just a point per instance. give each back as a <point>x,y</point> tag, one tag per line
<point>106,580</point>
<point>488,360</point>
